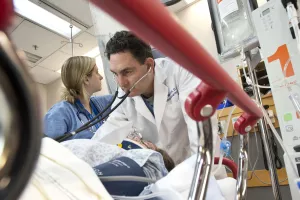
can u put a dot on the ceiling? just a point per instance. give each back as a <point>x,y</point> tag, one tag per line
<point>50,49</point>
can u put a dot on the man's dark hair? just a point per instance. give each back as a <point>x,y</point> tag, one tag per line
<point>124,41</point>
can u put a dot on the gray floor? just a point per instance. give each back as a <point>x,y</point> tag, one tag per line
<point>265,193</point>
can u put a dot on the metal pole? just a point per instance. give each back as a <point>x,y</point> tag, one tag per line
<point>241,184</point>
<point>264,133</point>
<point>203,162</point>
<point>71,40</point>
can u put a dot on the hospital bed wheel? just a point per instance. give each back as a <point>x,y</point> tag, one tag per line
<point>20,132</point>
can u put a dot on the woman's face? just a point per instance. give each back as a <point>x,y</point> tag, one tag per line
<point>94,81</point>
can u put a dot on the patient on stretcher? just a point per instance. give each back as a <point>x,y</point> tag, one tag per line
<point>136,141</point>
<point>133,157</point>
<point>60,174</point>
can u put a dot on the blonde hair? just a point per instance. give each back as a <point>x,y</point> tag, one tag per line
<point>73,73</point>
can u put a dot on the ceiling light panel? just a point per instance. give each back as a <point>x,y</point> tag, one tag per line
<point>41,16</point>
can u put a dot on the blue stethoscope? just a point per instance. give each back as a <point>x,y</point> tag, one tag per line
<point>84,116</point>
<point>93,121</point>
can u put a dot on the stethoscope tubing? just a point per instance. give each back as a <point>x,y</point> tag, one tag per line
<point>94,120</point>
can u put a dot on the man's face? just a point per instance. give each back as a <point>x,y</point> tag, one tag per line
<point>127,71</point>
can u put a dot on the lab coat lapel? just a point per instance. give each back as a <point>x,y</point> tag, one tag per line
<point>143,109</point>
<point>160,96</point>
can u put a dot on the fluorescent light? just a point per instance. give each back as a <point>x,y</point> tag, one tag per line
<point>59,71</point>
<point>93,53</point>
<point>44,18</point>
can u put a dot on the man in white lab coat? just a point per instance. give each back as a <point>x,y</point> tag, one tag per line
<point>156,104</point>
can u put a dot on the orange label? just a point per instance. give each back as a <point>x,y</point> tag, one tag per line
<point>283,56</point>
<point>219,1</point>
<point>298,115</point>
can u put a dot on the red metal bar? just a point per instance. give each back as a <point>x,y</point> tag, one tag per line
<point>151,21</point>
<point>6,13</point>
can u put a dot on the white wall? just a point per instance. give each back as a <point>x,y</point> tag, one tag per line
<point>196,19</point>
<point>54,91</point>
<point>42,94</point>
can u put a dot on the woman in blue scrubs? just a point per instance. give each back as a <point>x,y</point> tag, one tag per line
<point>81,79</point>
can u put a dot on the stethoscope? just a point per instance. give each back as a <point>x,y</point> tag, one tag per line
<point>82,113</point>
<point>95,120</point>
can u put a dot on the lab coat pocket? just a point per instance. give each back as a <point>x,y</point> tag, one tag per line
<point>174,117</point>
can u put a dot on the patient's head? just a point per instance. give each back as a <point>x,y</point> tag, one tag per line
<point>169,163</point>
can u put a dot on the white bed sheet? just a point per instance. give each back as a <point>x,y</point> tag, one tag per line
<point>178,181</point>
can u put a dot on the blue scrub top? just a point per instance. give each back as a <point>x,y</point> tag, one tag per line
<point>65,117</point>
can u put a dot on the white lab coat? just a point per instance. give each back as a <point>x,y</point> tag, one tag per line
<point>171,129</point>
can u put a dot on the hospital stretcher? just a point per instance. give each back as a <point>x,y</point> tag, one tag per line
<point>60,173</point>
<point>144,19</point>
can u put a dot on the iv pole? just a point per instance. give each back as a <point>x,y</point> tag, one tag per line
<point>72,40</point>
<point>264,132</point>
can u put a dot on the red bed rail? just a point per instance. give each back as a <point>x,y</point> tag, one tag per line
<point>228,163</point>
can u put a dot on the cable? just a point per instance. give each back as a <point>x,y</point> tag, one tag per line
<point>266,182</point>
<point>248,80</point>
<point>277,137</point>
<point>262,86</point>
<point>224,140</point>
<point>126,178</point>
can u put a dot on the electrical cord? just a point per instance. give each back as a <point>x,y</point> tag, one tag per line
<point>277,136</point>
<point>255,163</point>
<point>268,183</point>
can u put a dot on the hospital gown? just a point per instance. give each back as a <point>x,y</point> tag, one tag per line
<point>95,153</point>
